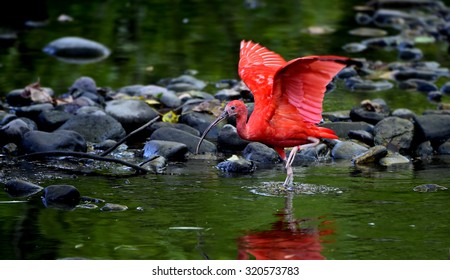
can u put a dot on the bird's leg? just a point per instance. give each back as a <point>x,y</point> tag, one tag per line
<point>290,174</point>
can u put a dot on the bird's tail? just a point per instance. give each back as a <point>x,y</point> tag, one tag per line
<point>326,133</point>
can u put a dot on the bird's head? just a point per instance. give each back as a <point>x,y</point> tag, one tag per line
<point>235,107</point>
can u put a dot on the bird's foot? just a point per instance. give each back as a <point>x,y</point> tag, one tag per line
<point>289,182</point>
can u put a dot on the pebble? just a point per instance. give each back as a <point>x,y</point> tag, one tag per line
<point>394,159</point>
<point>191,141</point>
<point>229,140</point>
<point>131,114</point>
<point>77,50</point>
<point>395,132</point>
<point>172,151</point>
<point>373,155</point>
<point>165,96</point>
<point>236,165</point>
<point>433,127</point>
<point>95,128</point>
<point>112,207</point>
<point>362,135</point>
<point>61,196</point>
<point>429,188</point>
<point>260,154</point>
<point>14,131</point>
<point>342,129</point>
<point>21,188</point>
<point>60,140</point>
<point>347,150</point>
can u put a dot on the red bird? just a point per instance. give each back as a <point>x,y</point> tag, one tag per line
<point>288,100</point>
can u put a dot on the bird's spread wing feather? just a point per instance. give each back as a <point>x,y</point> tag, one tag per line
<point>302,82</point>
<point>257,68</point>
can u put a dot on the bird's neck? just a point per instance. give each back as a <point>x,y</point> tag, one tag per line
<point>241,125</point>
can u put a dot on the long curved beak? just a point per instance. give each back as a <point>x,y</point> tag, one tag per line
<point>222,116</point>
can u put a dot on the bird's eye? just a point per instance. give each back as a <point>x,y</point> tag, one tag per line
<point>233,108</point>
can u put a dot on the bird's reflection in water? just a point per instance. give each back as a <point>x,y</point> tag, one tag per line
<point>289,239</point>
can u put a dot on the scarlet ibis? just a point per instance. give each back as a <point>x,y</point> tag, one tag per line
<point>288,100</point>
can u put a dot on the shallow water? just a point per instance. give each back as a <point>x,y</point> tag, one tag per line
<point>195,211</point>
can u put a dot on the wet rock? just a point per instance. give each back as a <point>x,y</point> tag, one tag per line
<point>368,32</point>
<point>434,96</point>
<point>410,54</point>
<point>337,116</point>
<point>236,165</point>
<point>17,99</point>
<point>260,154</point>
<point>173,151</point>
<point>429,188</point>
<point>306,156</point>
<point>180,126</point>
<point>10,149</point>
<point>185,83</point>
<point>362,135</point>
<point>359,114</point>
<point>95,128</point>
<point>363,18</point>
<point>418,85</point>
<point>105,145</point>
<point>21,188</point>
<point>358,84</point>
<point>6,118</point>
<point>373,155</point>
<point>84,84</point>
<point>201,121</point>
<point>112,207</point>
<point>370,111</point>
<point>444,148</point>
<point>14,131</point>
<point>342,129</point>
<point>346,73</point>
<point>383,42</point>
<point>394,159</point>
<point>394,131</point>
<point>227,94</point>
<point>347,150</point>
<point>432,127</point>
<point>61,196</point>
<point>392,18</point>
<point>132,114</point>
<point>194,96</point>
<point>61,140</point>
<point>229,139</point>
<point>52,119</point>
<point>77,50</point>
<point>90,110</point>
<point>85,87</point>
<point>445,89</point>
<point>407,74</point>
<point>424,149</point>
<point>163,95</point>
<point>32,111</point>
<point>157,164</point>
<point>176,135</point>
<point>404,113</point>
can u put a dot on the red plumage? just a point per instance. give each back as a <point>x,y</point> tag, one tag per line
<point>288,99</point>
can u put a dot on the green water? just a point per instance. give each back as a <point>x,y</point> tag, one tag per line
<point>195,211</point>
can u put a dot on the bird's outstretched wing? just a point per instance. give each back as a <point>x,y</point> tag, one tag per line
<point>302,82</point>
<point>257,68</point>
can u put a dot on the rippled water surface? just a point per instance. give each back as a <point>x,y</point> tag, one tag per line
<point>195,211</point>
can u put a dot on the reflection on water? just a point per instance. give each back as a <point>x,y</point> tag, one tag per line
<point>289,238</point>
